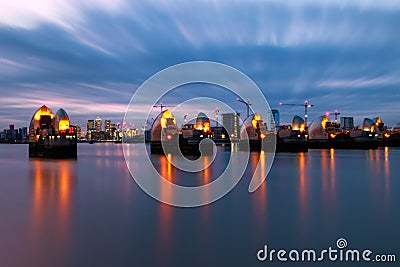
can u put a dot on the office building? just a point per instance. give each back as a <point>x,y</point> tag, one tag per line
<point>99,125</point>
<point>274,119</point>
<point>231,123</point>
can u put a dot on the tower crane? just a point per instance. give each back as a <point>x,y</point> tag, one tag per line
<point>336,113</point>
<point>161,106</point>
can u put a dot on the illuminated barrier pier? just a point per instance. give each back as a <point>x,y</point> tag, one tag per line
<point>254,135</point>
<point>164,132</point>
<point>292,138</point>
<point>191,136</point>
<point>386,137</point>
<point>326,134</point>
<point>167,138</point>
<point>52,136</point>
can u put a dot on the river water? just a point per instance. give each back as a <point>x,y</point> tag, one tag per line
<point>90,212</point>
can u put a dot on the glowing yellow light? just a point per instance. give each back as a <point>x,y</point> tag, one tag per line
<point>324,121</point>
<point>206,126</point>
<point>333,136</point>
<point>43,111</point>
<point>167,119</point>
<point>302,127</point>
<point>372,128</point>
<point>63,124</point>
<point>169,137</point>
<point>387,135</point>
<point>256,118</point>
<point>262,136</point>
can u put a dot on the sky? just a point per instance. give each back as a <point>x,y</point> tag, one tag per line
<point>90,56</point>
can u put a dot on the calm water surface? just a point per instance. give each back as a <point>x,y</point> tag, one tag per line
<point>90,212</point>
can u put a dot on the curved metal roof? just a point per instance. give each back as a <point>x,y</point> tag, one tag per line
<point>61,114</point>
<point>164,120</point>
<point>35,121</point>
<point>368,124</point>
<point>61,120</point>
<point>298,123</point>
<point>251,127</point>
<point>202,115</point>
<point>316,130</point>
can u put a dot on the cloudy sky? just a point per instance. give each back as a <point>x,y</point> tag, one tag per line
<point>90,56</point>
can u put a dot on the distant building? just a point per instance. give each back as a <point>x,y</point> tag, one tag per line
<point>89,129</point>
<point>99,125</point>
<point>89,125</point>
<point>24,133</point>
<point>231,123</point>
<point>347,122</point>
<point>78,131</point>
<point>274,119</point>
<point>107,125</point>
<point>12,135</point>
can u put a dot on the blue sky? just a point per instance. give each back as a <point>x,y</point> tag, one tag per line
<point>89,56</point>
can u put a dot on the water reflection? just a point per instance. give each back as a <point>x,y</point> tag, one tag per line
<point>332,170</point>
<point>303,186</point>
<point>206,180</point>
<point>165,222</point>
<point>260,196</point>
<point>53,184</point>
<point>387,171</point>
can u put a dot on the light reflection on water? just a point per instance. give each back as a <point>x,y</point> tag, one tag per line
<point>53,185</point>
<point>91,212</point>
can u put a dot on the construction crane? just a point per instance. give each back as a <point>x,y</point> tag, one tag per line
<point>161,105</point>
<point>336,113</point>
<point>216,115</point>
<point>247,103</point>
<point>306,106</point>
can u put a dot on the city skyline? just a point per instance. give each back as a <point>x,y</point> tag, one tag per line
<point>341,56</point>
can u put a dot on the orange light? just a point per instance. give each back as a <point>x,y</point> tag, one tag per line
<point>256,118</point>
<point>333,136</point>
<point>63,124</point>
<point>387,135</point>
<point>302,127</point>
<point>324,121</point>
<point>167,115</point>
<point>42,112</point>
<point>169,137</point>
<point>262,136</point>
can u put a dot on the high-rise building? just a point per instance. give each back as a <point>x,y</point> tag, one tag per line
<point>78,131</point>
<point>113,130</point>
<point>99,126</point>
<point>274,119</point>
<point>89,129</point>
<point>24,133</point>
<point>89,125</point>
<point>107,125</point>
<point>230,122</point>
